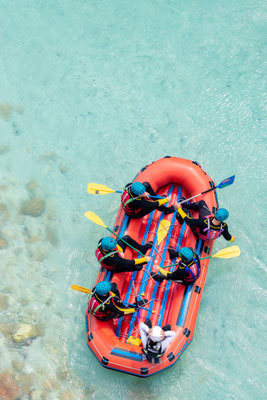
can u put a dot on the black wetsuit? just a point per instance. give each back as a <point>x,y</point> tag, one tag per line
<point>201,222</point>
<point>113,308</point>
<point>181,273</point>
<point>146,206</point>
<point>118,264</point>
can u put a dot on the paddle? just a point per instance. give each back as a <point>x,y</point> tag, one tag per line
<point>96,188</point>
<point>93,217</point>
<point>163,230</point>
<point>89,291</point>
<point>228,252</point>
<point>223,184</point>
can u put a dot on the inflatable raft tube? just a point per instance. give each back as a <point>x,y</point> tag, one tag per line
<point>169,302</point>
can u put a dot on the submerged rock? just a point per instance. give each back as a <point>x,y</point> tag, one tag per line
<point>17,365</point>
<point>37,395</point>
<point>3,301</point>
<point>34,207</point>
<point>25,331</point>
<point>9,389</point>
<point>3,243</point>
<point>51,236</point>
<point>67,395</point>
<point>4,149</point>
<point>63,168</point>
<point>26,382</point>
<point>32,185</point>
<point>6,110</point>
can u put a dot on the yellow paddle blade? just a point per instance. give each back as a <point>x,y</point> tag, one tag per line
<point>95,218</point>
<point>81,289</point>
<point>228,252</point>
<point>96,188</point>
<point>163,229</point>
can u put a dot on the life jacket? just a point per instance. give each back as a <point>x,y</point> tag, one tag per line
<point>210,234</point>
<point>97,307</point>
<point>100,255</point>
<point>153,354</point>
<point>194,269</point>
<point>126,199</point>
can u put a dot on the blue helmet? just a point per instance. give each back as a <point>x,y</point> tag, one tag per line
<point>221,214</point>
<point>186,254</point>
<point>103,288</point>
<point>138,188</point>
<point>108,243</point>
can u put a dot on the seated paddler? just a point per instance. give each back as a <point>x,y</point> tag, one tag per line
<point>187,270</point>
<point>110,254</point>
<point>105,302</point>
<point>155,340</point>
<point>137,203</point>
<point>208,226</point>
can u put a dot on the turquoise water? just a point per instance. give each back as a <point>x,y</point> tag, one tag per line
<point>91,91</point>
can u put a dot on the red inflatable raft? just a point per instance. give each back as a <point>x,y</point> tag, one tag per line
<point>169,302</point>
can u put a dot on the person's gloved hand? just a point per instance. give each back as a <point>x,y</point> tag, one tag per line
<point>156,267</point>
<point>139,267</point>
<point>232,239</point>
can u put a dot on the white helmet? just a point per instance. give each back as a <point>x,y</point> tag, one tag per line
<point>156,334</point>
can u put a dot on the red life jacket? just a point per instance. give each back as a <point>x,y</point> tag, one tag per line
<point>97,308</point>
<point>101,258</point>
<point>194,270</point>
<point>127,199</point>
<point>210,234</point>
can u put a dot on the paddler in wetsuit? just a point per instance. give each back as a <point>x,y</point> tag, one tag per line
<point>136,202</point>
<point>105,303</point>
<point>110,254</point>
<point>155,340</point>
<point>188,268</point>
<point>207,226</point>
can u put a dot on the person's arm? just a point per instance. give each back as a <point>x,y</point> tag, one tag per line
<point>177,275</point>
<point>169,335</point>
<point>145,203</point>
<point>198,223</point>
<point>118,307</point>
<point>123,264</point>
<point>226,233</point>
<point>144,333</point>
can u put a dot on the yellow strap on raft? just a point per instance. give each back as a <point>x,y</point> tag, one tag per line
<point>134,341</point>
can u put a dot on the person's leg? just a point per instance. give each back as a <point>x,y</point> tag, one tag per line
<point>157,276</point>
<point>143,248</point>
<point>149,188</point>
<point>203,209</point>
<point>166,210</point>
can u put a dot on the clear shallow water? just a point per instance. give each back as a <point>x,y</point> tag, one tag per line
<point>93,92</point>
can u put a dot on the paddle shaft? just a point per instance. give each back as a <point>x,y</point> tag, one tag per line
<point>166,266</point>
<point>110,230</point>
<point>224,183</point>
<point>89,291</point>
<point>190,198</point>
<point>108,190</point>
